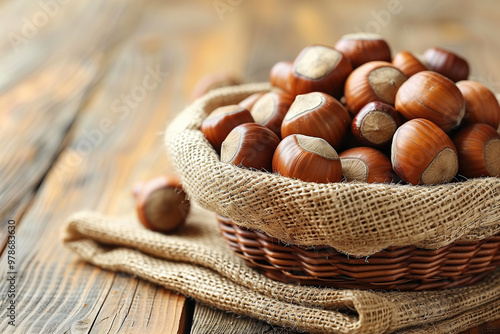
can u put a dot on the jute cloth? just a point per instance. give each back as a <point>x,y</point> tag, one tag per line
<point>355,218</point>
<point>196,262</point>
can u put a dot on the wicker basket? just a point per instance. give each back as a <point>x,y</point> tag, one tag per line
<point>401,268</point>
<point>384,227</point>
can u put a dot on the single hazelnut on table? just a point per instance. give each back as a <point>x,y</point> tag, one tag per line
<point>161,204</point>
<point>317,115</point>
<point>478,147</point>
<point>422,153</point>
<point>373,81</point>
<point>375,124</point>
<point>249,101</point>
<point>447,63</point>
<point>250,145</point>
<point>409,63</point>
<point>308,159</point>
<point>360,48</point>
<point>432,96</point>
<point>366,164</point>
<point>221,121</point>
<point>213,81</point>
<point>481,105</point>
<point>270,110</point>
<point>319,68</point>
<point>280,75</point>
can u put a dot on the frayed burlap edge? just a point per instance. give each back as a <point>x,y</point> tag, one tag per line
<point>196,262</point>
<point>355,218</point>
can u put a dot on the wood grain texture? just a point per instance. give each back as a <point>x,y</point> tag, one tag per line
<point>208,320</point>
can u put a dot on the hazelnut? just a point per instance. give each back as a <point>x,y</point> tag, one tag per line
<point>373,81</point>
<point>422,153</point>
<point>280,75</point>
<point>317,115</point>
<point>221,121</point>
<point>360,48</point>
<point>366,164</point>
<point>270,110</point>
<point>431,96</point>
<point>307,158</point>
<point>478,147</point>
<point>161,204</point>
<point>319,68</point>
<point>447,63</point>
<point>375,124</point>
<point>409,63</point>
<point>249,101</point>
<point>250,145</point>
<point>481,105</point>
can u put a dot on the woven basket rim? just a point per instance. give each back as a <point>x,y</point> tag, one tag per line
<point>186,127</point>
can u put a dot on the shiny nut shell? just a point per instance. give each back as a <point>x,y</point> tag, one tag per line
<point>422,153</point>
<point>307,158</point>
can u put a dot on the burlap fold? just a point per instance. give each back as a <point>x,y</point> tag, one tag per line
<point>355,218</point>
<point>196,262</point>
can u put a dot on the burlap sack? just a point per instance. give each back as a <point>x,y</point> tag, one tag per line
<point>197,263</point>
<point>355,218</point>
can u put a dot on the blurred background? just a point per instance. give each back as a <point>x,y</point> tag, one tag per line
<point>88,87</point>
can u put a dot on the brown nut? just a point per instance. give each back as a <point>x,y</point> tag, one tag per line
<point>249,101</point>
<point>308,159</point>
<point>161,204</point>
<point>478,147</point>
<point>447,63</point>
<point>250,145</point>
<point>280,75</point>
<point>366,164</point>
<point>319,68</point>
<point>432,96</point>
<point>409,63</point>
<point>360,48</point>
<point>270,110</point>
<point>373,81</point>
<point>317,115</point>
<point>481,105</point>
<point>221,121</point>
<point>375,124</point>
<point>422,153</point>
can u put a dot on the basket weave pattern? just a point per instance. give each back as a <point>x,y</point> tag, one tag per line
<point>402,268</point>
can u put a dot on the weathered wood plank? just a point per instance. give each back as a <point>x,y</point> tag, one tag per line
<point>42,90</point>
<point>208,320</point>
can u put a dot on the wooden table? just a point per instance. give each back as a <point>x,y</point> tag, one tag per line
<point>86,91</point>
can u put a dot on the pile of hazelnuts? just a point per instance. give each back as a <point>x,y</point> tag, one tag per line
<point>355,112</point>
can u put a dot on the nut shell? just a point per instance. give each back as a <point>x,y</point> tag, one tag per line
<point>317,115</point>
<point>373,81</point>
<point>250,145</point>
<point>447,63</point>
<point>432,96</point>
<point>161,204</point>
<point>249,101</point>
<point>360,48</point>
<point>270,110</point>
<point>221,121</point>
<point>422,153</point>
<point>481,105</point>
<point>375,124</point>
<point>319,68</point>
<point>366,164</point>
<point>478,147</point>
<point>280,75</point>
<point>408,63</point>
<point>307,158</point>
